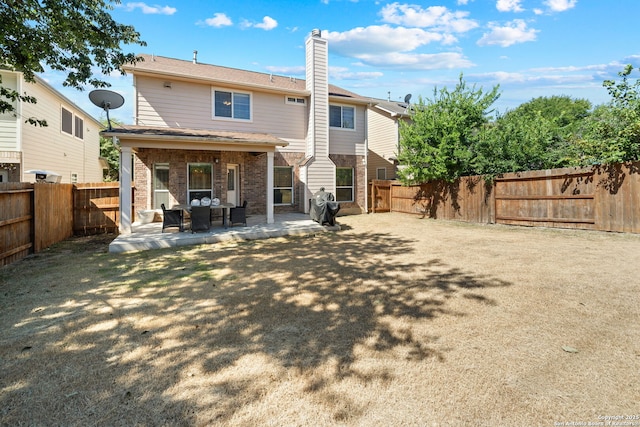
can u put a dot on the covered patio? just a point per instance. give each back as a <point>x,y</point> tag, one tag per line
<point>150,236</point>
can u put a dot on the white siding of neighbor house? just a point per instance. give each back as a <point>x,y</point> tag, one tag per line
<point>383,134</point>
<point>49,148</point>
<point>190,105</point>
<point>347,141</point>
<point>8,121</point>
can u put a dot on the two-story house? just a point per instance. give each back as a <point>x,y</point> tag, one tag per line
<point>69,145</point>
<point>210,131</point>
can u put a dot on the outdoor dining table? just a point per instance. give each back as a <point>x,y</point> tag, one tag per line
<point>225,206</point>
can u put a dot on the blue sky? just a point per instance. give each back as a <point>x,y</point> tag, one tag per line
<point>385,49</point>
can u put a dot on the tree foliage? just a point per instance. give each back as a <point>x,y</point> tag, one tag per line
<point>110,152</point>
<point>451,135</point>
<point>438,143</point>
<point>72,36</point>
<point>612,132</point>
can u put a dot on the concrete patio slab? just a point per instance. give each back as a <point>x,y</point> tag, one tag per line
<point>150,236</point>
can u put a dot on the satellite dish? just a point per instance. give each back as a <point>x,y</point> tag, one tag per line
<point>107,100</point>
<point>407,98</point>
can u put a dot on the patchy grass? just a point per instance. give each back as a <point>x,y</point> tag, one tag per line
<point>395,320</point>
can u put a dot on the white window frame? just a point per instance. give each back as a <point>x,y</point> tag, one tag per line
<point>211,193</point>
<point>283,188</point>
<point>342,121</point>
<point>295,100</point>
<point>233,93</point>
<point>352,186</point>
<point>154,189</point>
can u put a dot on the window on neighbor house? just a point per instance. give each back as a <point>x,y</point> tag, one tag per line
<point>160,185</point>
<point>74,178</point>
<point>381,173</point>
<point>67,121</point>
<point>200,182</point>
<point>79,128</point>
<point>232,105</point>
<point>342,117</point>
<point>282,185</point>
<point>344,184</point>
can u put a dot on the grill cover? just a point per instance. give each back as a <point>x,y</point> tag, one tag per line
<point>323,208</point>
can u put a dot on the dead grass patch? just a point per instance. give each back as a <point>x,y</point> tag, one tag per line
<point>395,320</point>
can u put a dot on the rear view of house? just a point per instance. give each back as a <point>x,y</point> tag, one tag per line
<point>69,145</point>
<point>210,131</point>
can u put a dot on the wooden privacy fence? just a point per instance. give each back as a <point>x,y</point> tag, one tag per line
<point>605,198</point>
<point>35,216</point>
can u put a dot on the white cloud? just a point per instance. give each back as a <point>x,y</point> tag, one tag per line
<point>341,73</point>
<point>218,20</point>
<point>512,33</point>
<point>378,39</point>
<point>560,5</point>
<point>150,10</point>
<point>418,61</point>
<point>268,23</point>
<point>509,6</point>
<point>438,17</point>
<point>287,71</point>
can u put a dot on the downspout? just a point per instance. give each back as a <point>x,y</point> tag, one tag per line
<point>366,159</point>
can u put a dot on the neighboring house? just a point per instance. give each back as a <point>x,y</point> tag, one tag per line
<point>210,131</point>
<point>384,137</point>
<point>69,145</point>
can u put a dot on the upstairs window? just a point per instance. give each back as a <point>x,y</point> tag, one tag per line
<point>342,117</point>
<point>232,105</point>
<point>67,121</point>
<point>79,128</point>
<point>294,100</point>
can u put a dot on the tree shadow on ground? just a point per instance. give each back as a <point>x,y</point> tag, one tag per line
<point>163,337</point>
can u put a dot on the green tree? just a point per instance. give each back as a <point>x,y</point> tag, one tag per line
<point>438,142</point>
<point>111,153</point>
<point>72,36</point>
<point>536,135</point>
<point>612,133</point>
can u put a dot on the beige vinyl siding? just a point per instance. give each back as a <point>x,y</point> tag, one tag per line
<point>190,105</point>
<point>383,143</point>
<point>9,121</point>
<point>49,148</point>
<point>348,141</point>
<point>317,82</point>
<point>295,146</point>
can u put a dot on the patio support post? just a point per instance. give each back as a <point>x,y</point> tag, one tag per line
<point>270,219</point>
<point>125,190</point>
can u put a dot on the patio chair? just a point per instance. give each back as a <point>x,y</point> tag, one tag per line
<point>172,218</point>
<point>238,214</point>
<point>200,220</point>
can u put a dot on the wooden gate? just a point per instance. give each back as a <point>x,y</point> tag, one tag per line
<point>380,195</point>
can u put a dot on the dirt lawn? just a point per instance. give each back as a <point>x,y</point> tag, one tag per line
<point>393,321</point>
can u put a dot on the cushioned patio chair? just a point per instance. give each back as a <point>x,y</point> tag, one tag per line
<point>200,220</point>
<point>238,214</point>
<point>172,218</point>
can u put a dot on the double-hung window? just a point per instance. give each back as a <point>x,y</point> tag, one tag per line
<point>67,121</point>
<point>200,181</point>
<point>344,184</point>
<point>283,185</point>
<point>231,105</point>
<point>71,124</point>
<point>160,185</point>
<point>341,116</point>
